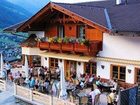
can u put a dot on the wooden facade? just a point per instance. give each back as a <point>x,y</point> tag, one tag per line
<point>61,23</point>
<point>56,21</point>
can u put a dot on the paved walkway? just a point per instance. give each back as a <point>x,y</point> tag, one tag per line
<point>7,97</point>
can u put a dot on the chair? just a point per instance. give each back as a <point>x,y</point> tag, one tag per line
<point>84,100</point>
<point>95,86</point>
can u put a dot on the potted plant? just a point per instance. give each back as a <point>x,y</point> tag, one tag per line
<point>67,45</point>
<point>80,45</point>
<point>55,43</point>
<point>87,43</point>
<point>65,40</point>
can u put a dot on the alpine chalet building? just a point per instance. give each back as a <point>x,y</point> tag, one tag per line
<point>101,38</point>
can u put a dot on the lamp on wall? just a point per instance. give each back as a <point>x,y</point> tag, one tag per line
<point>102,66</point>
<point>79,63</point>
<point>60,60</point>
<point>129,70</point>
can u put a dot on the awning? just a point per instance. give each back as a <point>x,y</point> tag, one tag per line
<point>119,61</point>
<point>67,56</point>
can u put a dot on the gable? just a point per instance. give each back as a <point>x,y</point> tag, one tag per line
<point>40,20</point>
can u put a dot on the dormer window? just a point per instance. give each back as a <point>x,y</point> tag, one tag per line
<point>81,31</point>
<point>61,31</point>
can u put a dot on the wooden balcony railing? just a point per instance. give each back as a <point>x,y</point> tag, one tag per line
<point>93,48</point>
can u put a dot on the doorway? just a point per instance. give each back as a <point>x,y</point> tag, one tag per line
<point>70,66</point>
<point>90,68</point>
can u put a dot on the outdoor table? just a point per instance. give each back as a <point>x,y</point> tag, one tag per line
<point>106,86</point>
<point>82,95</point>
<point>69,88</point>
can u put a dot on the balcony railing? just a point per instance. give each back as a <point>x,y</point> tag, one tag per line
<point>93,48</point>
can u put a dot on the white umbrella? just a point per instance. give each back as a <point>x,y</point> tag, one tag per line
<point>1,65</point>
<point>63,93</point>
<point>1,62</point>
<point>26,68</point>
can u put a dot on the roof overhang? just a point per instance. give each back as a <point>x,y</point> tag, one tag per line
<point>54,6</point>
<point>116,61</point>
<point>67,56</point>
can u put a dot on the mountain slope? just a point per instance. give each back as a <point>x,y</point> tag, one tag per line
<point>30,5</point>
<point>11,14</point>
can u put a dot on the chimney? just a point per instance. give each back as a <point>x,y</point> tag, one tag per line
<point>118,2</point>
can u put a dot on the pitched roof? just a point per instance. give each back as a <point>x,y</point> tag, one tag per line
<point>94,14</point>
<point>13,28</point>
<point>123,17</point>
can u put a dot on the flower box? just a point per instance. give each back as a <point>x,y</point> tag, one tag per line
<point>67,46</point>
<point>44,45</point>
<point>81,48</point>
<point>55,46</point>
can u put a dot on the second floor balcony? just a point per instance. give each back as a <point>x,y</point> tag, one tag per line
<point>90,48</point>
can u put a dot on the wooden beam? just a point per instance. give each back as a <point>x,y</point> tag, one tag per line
<point>33,18</point>
<point>80,18</point>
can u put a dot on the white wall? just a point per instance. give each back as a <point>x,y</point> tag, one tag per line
<point>39,34</point>
<point>103,73</point>
<point>30,51</point>
<point>79,69</point>
<point>130,76</point>
<point>61,64</point>
<point>124,47</point>
<point>45,61</point>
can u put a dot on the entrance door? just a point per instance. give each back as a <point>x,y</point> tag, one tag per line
<point>90,68</point>
<point>137,75</point>
<point>70,66</point>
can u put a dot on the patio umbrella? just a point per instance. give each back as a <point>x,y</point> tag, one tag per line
<point>63,93</point>
<point>1,65</point>
<point>26,68</point>
<point>1,62</point>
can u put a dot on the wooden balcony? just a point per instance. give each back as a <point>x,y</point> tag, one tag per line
<point>91,50</point>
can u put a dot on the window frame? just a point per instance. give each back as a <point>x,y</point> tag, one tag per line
<point>59,31</point>
<point>78,31</point>
<point>119,72</point>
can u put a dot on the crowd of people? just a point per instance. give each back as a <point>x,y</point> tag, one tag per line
<point>42,79</point>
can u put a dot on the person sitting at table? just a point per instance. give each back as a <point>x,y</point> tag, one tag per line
<point>98,82</point>
<point>32,82</point>
<point>93,93</point>
<point>57,72</point>
<point>115,85</point>
<point>82,81</point>
<point>87,76</point>
<point>73,77</point>
<point>90,80</point>
<point>46,84</point>
<point>21,80</point>
<point>111,98</point>
<point>99,78</point>
<point>36,83</point>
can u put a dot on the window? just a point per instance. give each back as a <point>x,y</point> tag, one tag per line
<point>53,63</point>
<point>137,77</point>
<point>90,68</point>
<point>119,72</point>
<point>61,31</point>
<point>81,31</point>
<point>36,60</point>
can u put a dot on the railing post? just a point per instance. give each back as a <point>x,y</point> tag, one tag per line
<point>5,88</point>
<point>15,89</point>
<point>31,95</point>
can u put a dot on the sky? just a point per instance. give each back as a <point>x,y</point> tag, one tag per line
<point>73,1</point>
